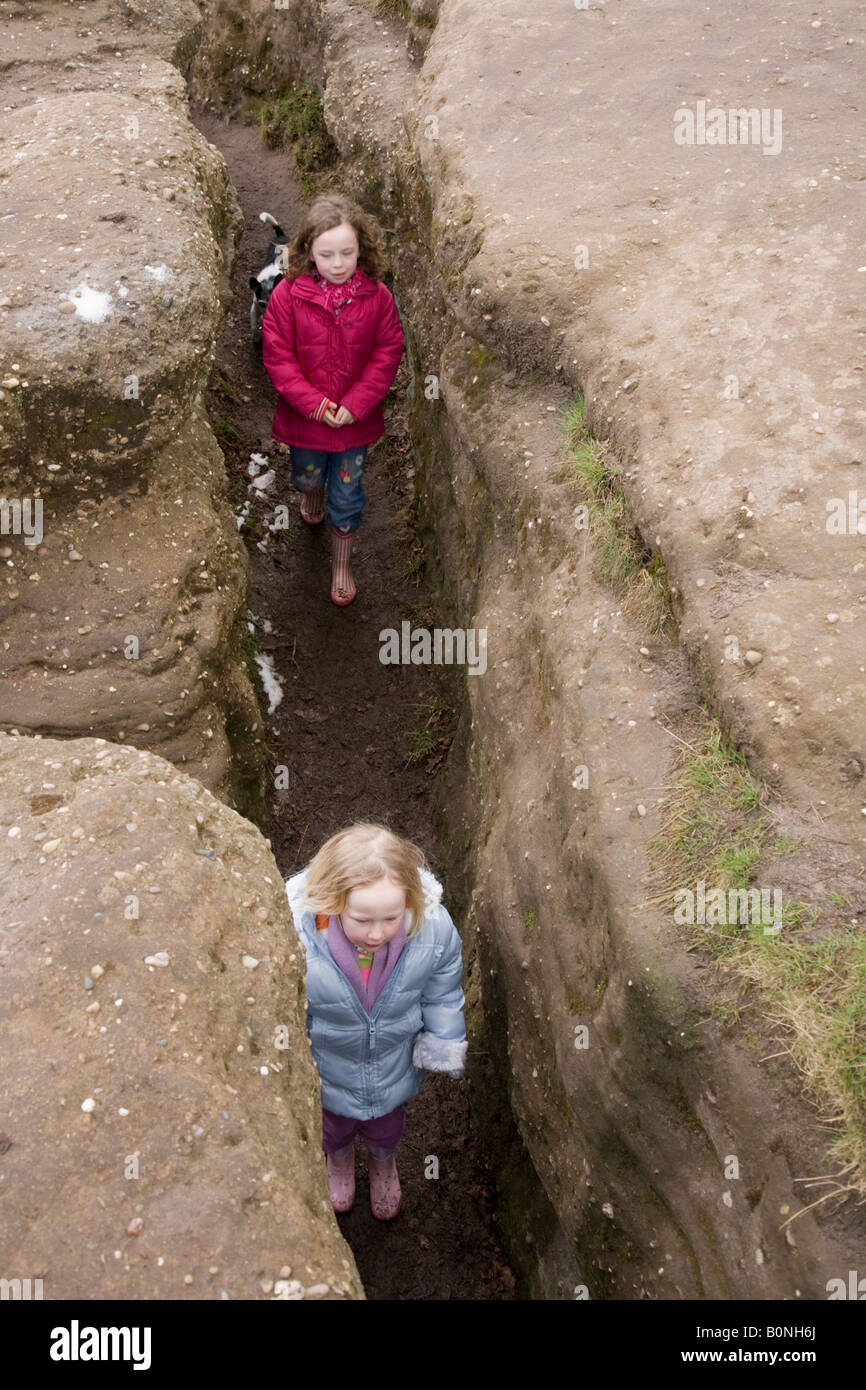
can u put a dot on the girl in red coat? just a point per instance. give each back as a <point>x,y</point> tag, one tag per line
<point>332,343</point>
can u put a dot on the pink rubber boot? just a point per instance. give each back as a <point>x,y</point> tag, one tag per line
<point>313,506</point>
<point>342,584</point>
<point>385,1196</point>
<point>341,1177</point>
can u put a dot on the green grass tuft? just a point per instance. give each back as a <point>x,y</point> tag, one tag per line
<point>810,978</point>
<point>622,559</point>
<point>294,115</point>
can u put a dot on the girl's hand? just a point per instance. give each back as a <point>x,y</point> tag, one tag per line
<point>339,417</point>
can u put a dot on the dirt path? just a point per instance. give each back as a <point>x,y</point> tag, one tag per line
<point>343,729</point>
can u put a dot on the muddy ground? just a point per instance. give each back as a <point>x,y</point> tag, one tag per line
<point>344,729</point>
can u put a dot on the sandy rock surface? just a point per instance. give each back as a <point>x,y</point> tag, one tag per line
<point>160,1101</point>
<point>122,596</point>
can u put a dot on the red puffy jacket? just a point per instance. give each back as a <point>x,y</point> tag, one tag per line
<point>351,357</point>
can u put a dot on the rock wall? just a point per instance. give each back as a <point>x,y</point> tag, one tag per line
<point>550,235</point>
<point>122,600</point>
<point>161,1107</point>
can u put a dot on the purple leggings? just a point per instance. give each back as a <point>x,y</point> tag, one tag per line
<point>381,1134</point>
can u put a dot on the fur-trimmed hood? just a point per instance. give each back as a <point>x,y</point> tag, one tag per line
<point>431,886</point>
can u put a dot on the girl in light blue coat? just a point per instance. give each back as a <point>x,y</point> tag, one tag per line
<point>384,996</point>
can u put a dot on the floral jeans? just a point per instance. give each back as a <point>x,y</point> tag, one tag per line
<point>341,473</point>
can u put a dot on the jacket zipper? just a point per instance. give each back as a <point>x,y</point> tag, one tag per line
<point>370,1019</point>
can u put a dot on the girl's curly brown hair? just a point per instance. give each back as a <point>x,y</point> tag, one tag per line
<point>327,212</point>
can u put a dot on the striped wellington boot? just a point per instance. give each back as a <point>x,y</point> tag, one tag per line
<point>343,589</point>
<point>313,506</point>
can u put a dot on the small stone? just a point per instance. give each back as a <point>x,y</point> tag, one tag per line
<point>88,1105</point>
<point>161,958</point>
<point>187,1278</point>
<point>607,1209</point>
<point>250,962</point>
<point>88,983</point>
<point>753,658</point>
<point>135,1226</point>
<point>286,1271</point>
<point>641,810</point>
<point>97,971</point>
<point>266,1285</point>
<point>831,618</point>
<point>288,1289</point>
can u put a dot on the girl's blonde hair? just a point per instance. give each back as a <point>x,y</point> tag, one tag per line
<point>330,211</point>
<point>359,855</point>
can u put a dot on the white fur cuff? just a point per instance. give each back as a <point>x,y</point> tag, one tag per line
<point>440,1054</point>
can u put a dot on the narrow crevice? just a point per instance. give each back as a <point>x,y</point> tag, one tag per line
<point>351,738</point>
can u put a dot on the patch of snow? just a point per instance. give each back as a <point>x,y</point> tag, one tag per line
<point>159,272</point>
<point>270,681</point>
<point>93,306</point>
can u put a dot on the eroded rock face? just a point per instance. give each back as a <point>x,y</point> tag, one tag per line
<point>683,287</point>
<point>265,45</point>
<point>122,596</point>
<point>123,207</point>
<point>159,1093</point>
<point>629,1096</point>
<point>127,621</point>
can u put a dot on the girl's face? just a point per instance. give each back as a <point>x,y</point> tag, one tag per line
<point>373,913</point>
<point>335,253</point>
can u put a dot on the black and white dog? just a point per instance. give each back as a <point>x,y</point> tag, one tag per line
<point>270,275</point>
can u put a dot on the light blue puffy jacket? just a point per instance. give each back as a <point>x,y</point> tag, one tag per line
<point>365,1060</point>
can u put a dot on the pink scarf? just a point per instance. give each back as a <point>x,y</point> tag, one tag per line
<point>346,956</point>
<point>335,296</point>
